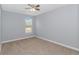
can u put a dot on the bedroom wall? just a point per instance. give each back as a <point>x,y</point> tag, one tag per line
<point>0,27</point>
<point>13,26</point>
<point>60,25</point>
<point>0,23</point>
<point>78,21</point>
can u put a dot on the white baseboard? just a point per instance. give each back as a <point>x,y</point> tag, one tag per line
<point>17,39</point>
<point>64,45</point>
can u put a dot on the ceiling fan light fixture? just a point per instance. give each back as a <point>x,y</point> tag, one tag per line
<point>33,10</point>
<point>33,7</point>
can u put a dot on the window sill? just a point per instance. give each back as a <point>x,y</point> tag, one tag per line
<point>29,33</point>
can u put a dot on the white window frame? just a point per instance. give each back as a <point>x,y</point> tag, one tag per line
<point>26,25</point>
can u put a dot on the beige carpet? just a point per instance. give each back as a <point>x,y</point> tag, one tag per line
<point>35,46</point>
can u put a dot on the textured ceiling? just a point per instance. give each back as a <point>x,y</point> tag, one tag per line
<point>20,8</point>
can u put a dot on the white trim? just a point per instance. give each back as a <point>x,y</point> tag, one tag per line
<point>17,39</point>
<point>67,46</point>
<point>64,45</point>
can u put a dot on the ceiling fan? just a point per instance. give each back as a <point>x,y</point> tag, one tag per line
<point>33,7</point>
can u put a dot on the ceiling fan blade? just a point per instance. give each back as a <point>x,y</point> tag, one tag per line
<point>31,5</point>
<point>34,5</point>
<point>37,9</point>
<point>37,6</point>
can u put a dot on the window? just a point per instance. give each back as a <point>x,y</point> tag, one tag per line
<point>28,22</point>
